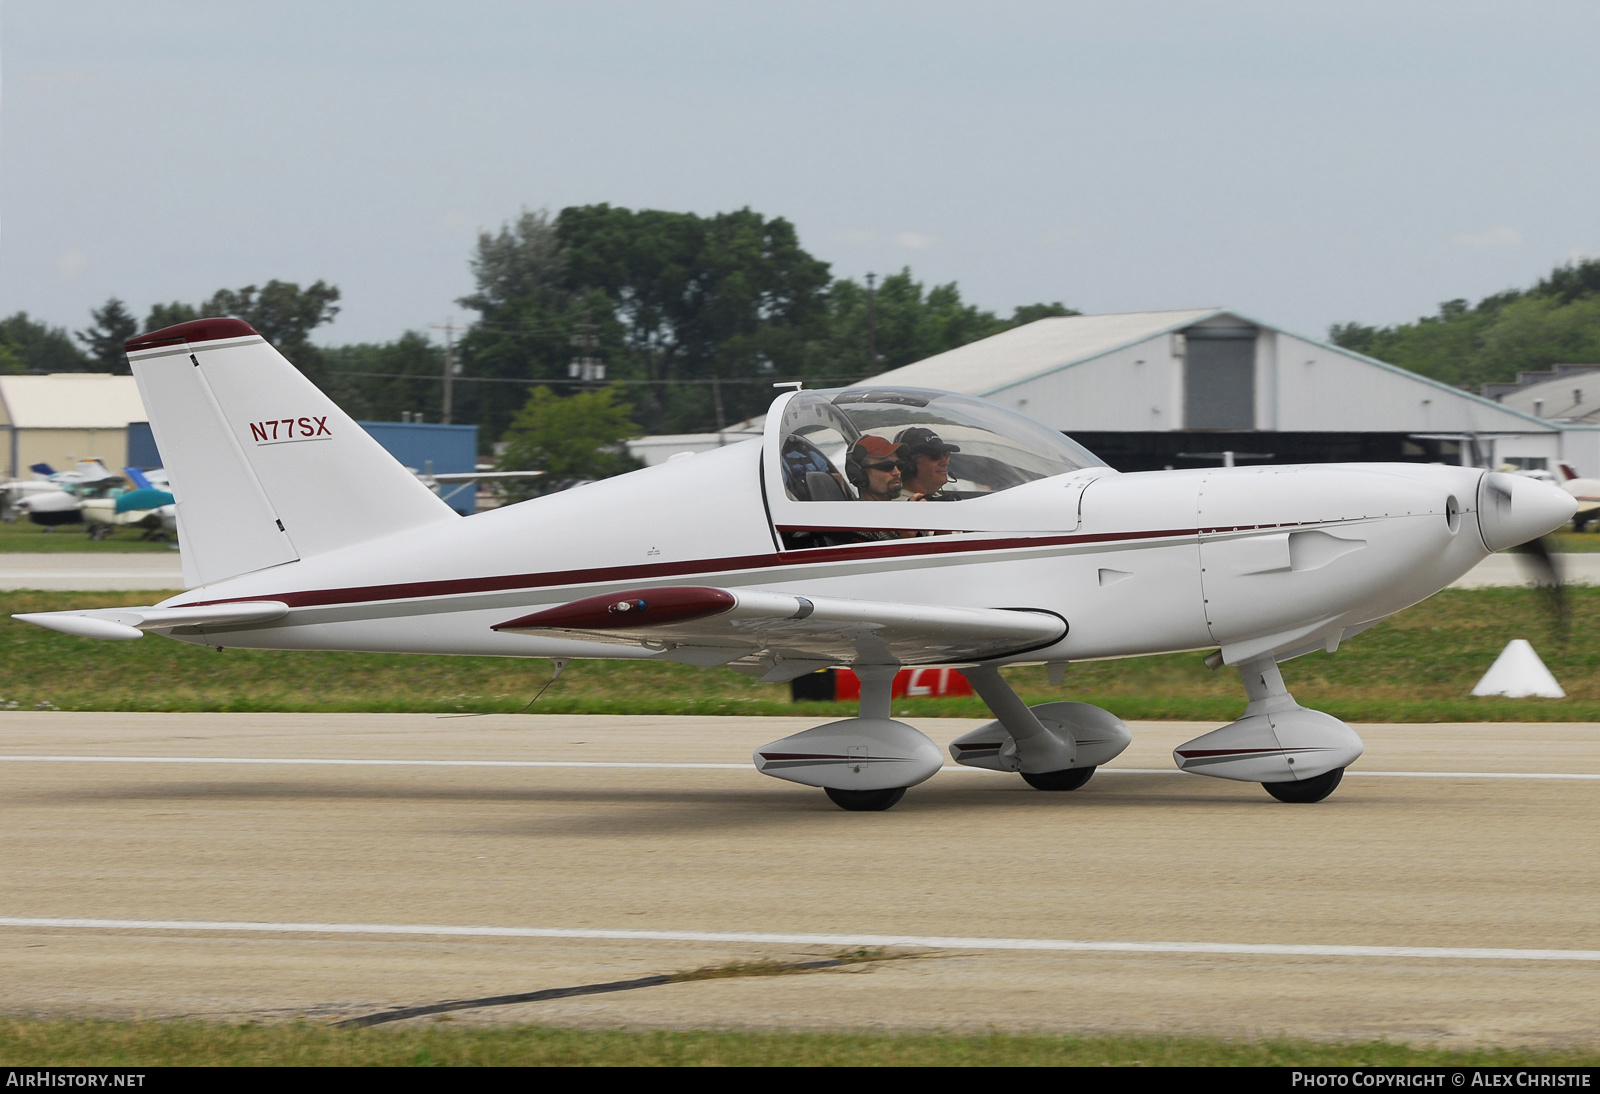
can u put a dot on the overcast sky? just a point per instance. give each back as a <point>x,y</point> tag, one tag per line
<point>1304,163</point>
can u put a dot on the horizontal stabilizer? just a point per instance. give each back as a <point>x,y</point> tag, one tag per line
<point>124,623</point>
<point>705,625</point>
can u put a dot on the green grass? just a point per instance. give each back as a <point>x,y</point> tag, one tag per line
<point>1417,667</point>
<point>1578,542</point>
<point>28,1042</point>
<point>72,538</point>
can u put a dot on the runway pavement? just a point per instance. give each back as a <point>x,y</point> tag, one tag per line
<point>271,866</point>
<point>163,571</point>
<point>91,571</point>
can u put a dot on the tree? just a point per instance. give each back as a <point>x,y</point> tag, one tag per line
<point>285,315</point>
<point>1555,322</point>
<point>1573,281</point>
<point>573,437</point>
<point>409,372</point>
<point>113,325</point>
<point>523,261</point>
<point>705,310</point>
<point>528,320</point>
<point>730,296</point>
<point>36,347</point>
<point>911,324</point>
<point>169,315</point>
<point>1032,313</point>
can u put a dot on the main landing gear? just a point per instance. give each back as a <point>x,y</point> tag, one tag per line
<point>1053,746</point>
<point>1297,755</point>
<point>1069,779</point>
<point>866,763</point>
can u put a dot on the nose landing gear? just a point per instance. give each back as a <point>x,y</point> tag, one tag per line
<point>1297,755</point>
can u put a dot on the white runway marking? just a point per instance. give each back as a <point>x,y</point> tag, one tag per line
<point>666,766</point>
<point>313,762</point>
<point>941,942</point>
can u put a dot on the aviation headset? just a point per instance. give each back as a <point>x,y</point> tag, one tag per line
<point>919,439</point>
<point>870,449</point>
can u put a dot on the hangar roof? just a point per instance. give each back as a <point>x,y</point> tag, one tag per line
<point>1571,397</point>
<point>1014,357</point>
<point>70,400</point>
<point>988,365</point>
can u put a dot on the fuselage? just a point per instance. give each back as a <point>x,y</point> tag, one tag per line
<point>1245,559</point>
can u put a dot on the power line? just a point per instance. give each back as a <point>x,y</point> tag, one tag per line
<point>562,381</point>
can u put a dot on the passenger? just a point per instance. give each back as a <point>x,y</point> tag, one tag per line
<point>926,464</point>
<point>873,466</point>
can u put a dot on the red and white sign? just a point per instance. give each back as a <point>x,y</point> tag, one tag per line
<point>908,684</point>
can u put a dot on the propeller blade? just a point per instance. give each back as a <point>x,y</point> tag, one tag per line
<point>1544,566</point>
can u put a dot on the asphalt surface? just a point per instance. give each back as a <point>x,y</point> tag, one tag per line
<point>176,865</point>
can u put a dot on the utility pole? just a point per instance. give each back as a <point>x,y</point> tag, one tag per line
<point>872,323</point>
<point>451,369</point>
<point>586,367</point>
<point>716,399</point>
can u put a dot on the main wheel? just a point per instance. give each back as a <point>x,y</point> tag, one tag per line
<point>1068,778</point>
<point>1306,790</point>
<point>865,801</point>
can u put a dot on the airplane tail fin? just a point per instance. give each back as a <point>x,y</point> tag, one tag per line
<point>265,468</point>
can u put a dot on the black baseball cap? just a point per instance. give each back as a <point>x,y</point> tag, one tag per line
<point>919,438</point>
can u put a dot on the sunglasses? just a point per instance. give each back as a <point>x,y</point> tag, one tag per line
<point>891,466</point>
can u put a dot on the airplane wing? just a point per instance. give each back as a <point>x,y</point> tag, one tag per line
<point>786,635</point>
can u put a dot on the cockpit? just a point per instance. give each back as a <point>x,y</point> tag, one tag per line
<point>990,448</point>
<point>902,444</point>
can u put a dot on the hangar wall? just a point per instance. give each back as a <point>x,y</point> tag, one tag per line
<point>1138,387</point>
<point>1320,388</point>
<point>62,448</point>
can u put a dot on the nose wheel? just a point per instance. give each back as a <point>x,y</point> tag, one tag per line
<point>865,801</point>
<point>1306,791</point>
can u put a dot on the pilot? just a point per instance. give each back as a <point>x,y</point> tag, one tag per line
<point>925,464</point>
<point>873,466</point>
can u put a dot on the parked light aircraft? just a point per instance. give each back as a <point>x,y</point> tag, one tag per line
<point>1587,493</point>
<point>300,532</point>
<point>56,497</point>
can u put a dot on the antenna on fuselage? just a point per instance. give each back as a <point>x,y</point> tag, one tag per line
<point>796,384</point>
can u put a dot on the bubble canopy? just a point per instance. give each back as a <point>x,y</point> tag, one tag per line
<point>991,448</point>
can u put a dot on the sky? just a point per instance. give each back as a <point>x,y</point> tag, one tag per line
<point>1303,163</point>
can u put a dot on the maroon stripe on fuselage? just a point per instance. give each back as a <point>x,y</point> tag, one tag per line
<point>903,548</point>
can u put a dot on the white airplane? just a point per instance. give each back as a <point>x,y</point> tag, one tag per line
<point>57,497</point>
<point>1587,493</point>
<point>300,532</point>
